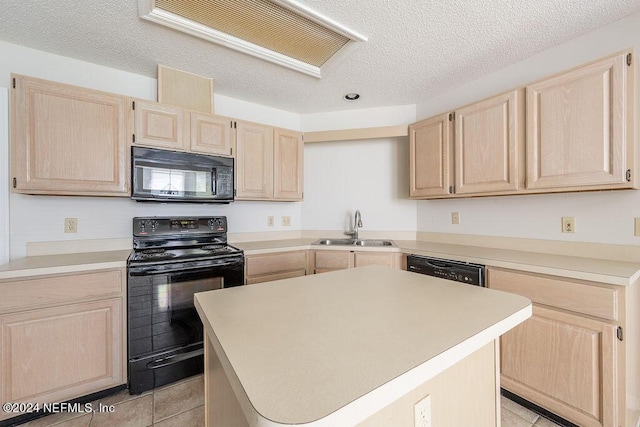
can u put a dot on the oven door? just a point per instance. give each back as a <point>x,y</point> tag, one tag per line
<point>164,330</point>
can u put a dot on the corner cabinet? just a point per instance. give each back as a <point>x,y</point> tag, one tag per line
<point>62,336</point>
<point>571,356</point>
<point>68,140</point>
<point>580,127</point>
<point>169,127</point>
<point>475,150</point>
<point>269,163</point>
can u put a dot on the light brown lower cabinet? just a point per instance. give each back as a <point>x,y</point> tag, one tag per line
<point>571,357</point>
<point>325,261</point>
<point>62,336</point>
<point>275,266</point>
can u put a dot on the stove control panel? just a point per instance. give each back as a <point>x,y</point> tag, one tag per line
<point>157,226</point>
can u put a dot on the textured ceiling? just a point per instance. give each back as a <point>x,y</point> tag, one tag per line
<point>416,49</point>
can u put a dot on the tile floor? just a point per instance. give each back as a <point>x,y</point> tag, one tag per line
<point>182,405</point>
<point>514,415</point>
<point>176,405</point>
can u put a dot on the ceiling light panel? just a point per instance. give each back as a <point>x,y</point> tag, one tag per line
<point>282,31</point>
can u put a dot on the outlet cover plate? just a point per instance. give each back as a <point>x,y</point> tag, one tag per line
<point>568,224</point>
<point>422,412</point>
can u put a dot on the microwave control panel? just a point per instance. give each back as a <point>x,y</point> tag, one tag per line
<point>224,186</point>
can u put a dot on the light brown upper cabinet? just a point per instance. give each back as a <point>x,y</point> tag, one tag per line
<point>211,134</point>
<point>68,140</point>
<point>476,149</point>
<point>174,128</point>
<point>254,161</point>
<point>288,162</point>
<point>269,163</point>
<point>159,125</point>
<point>580,127</point>
<point>430,160</point>
<point>489,140</point>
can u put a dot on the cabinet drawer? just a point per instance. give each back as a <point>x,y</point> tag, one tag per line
<point>373,258</point>
<point>60,289</point>
<point>277,276</point>
<point>333,260</point>
<point>258,265</point>
<point>565,294</point>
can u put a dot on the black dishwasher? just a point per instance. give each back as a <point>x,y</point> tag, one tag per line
<point>465,272</point>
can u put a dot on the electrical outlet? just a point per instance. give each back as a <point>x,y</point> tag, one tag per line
<point>568,224</point>
<point>270,221</point>
<point>286,221</point>
<point>71,225</point>
<point>422,412</point>
<point>636,228</point>
<point>455,217</point>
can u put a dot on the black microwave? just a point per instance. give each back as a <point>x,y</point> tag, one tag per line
<point>171,176</point>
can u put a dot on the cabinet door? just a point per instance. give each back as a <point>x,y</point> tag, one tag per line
<point>254,161</point>
<point>488,140</point>
<point>211,134</point>
<point>288,162</point>
<point>373,258</point>
<point>160,126</point>
<point>56,354</point>
<point>578,127</point>
<point>332,260</point>
<point>430,161</point>
<point>68,140</point>
<point>564,363</point>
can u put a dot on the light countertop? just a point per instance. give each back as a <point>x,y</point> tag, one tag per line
<point>65,263</point>
<point>573,267</point>
<point>333,348</point>
<point>581,268</point>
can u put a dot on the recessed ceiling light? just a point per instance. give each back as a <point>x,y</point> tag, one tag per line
<point>352,96</point>
<point>284,32</point>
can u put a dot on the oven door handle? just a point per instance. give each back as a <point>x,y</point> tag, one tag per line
<point>140,271</point>
<point>166,361</point>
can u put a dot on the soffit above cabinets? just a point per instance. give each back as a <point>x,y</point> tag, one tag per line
<point>284,32</point>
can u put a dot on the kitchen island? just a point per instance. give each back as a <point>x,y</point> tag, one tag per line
<point>354,347</point>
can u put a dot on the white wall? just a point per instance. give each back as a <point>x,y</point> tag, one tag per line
<point>605,217</point>
<point>41,218</point>
<point>370,175</point>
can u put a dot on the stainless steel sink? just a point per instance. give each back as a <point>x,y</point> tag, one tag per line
<point>351,242</point>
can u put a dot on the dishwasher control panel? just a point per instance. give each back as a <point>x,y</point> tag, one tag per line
<point>472,274</point>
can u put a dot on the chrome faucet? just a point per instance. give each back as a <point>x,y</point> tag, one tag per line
<point>357,223</point>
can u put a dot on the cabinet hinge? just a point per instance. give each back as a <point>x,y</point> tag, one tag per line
<point>133,137</point>
<point>15,182</point>
<point>234,192</point>
<point>231,154</point>
<point>133,105</point>
<point>629,59</point>
<point>235,125</point>
<point>619,333</point>
<point>451,189</point>
<point>628,175</point>
<point>14,82</point>
<point>231,124</point>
